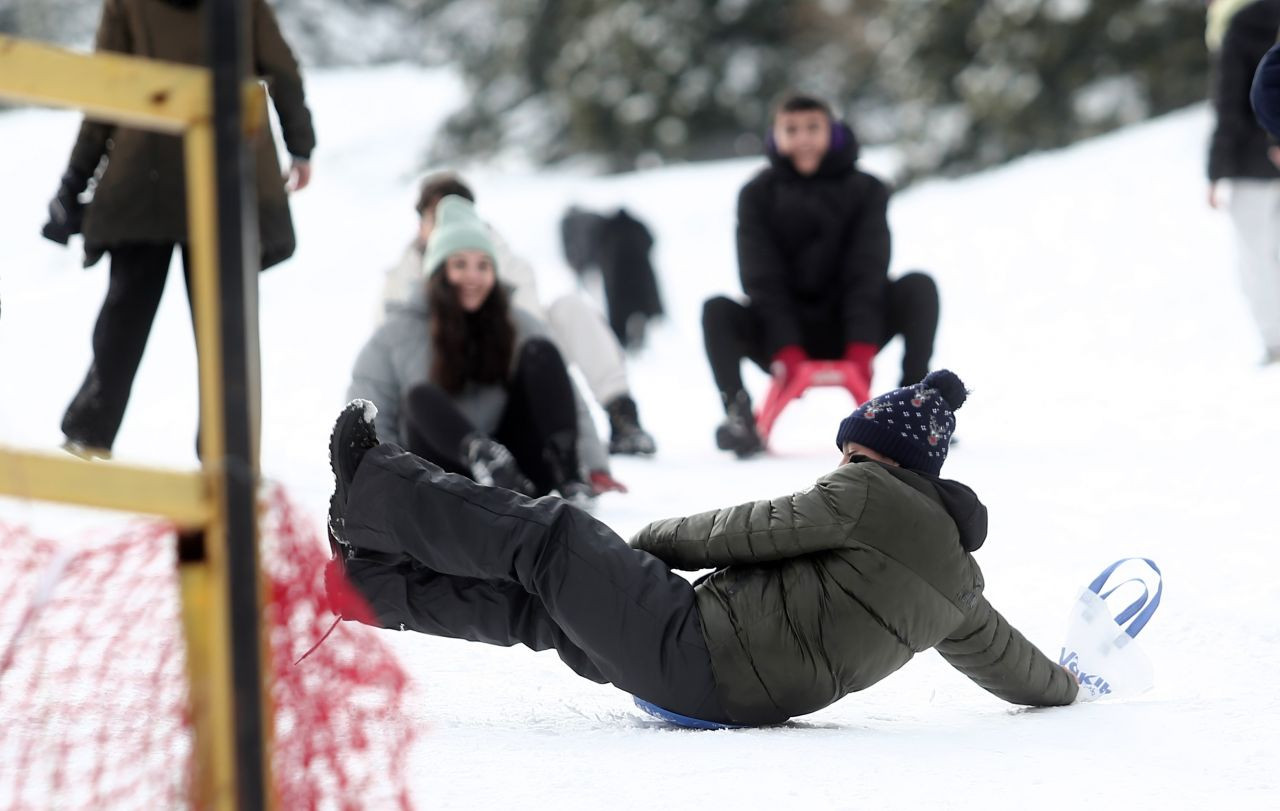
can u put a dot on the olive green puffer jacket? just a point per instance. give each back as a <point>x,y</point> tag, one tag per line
<point>827,591</point>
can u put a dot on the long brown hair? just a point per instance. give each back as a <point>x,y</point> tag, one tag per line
<point>468,347</point>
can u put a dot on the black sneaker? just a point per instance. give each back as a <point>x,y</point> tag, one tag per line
<point>627,437</point>
<point>353,435</point>
<point>493,465</point>
<point>738,431</point>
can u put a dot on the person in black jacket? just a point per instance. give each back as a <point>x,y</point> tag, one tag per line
<point>1242,154</point>
<point>813,257</point>
<point>813,595</point>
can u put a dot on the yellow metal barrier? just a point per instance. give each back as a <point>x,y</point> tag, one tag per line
<point>175,99</point>
<point>182,497</point>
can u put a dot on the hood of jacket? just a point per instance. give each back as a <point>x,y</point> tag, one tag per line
<point>959,500</point>
<point>839,161</point>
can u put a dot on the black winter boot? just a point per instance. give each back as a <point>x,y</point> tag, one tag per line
<point>627,437</point>
<point>353,435</point>
<point>561,454</point>
<point>493,465</point>
<point>738,431</point>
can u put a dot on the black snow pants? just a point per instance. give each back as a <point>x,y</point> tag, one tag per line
<point>732,332</point>
<point>138,274</point>
<point>489,565</point>
<point>541,418</point>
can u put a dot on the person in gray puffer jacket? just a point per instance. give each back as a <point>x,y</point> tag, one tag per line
<point>576,326</point>
<point>812,595</point>
<point>464,379</point>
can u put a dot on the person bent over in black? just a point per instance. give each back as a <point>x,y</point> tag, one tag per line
<point>813,256</point>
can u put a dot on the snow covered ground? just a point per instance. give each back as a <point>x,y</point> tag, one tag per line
<point>1089,301</point>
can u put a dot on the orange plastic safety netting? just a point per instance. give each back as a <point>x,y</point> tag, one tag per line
<point>93,682</point>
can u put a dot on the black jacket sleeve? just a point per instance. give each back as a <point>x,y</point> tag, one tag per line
<point>1265,93</point>
<point>763,269</point>
<point>274,60</point>
<point>866,269</point>
<point>1232,75</point>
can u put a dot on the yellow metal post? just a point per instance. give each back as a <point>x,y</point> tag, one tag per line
<point>177,99</point>
<point>204,579</point>
<point>181,497</point>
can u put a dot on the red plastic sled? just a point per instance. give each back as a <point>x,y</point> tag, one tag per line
<point>840,373</point>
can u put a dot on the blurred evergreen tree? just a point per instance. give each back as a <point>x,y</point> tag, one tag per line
<point>623,80</point>
<point>67,22</point>
<point>976,82</point>
<point>956,84</point>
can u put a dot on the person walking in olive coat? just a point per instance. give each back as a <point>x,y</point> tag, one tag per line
<point>139,212</point>
<point>812,595</point>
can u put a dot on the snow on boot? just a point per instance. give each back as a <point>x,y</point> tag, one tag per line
<point>738,431</point>
<point>627,437</point>
<point>84,450</point>
<point>353,435</point>
<point>578,493</point>
<point>493,465</point>
<point>561,455</point>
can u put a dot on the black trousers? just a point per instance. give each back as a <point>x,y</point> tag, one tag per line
<point>732,332</point>
<point>540,406</point>
<point>138,275</point>
<point>489,565</point>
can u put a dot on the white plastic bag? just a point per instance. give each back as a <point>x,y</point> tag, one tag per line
<point>1101,650</point>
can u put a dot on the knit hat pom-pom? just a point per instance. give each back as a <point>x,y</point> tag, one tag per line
<point>948,385</point>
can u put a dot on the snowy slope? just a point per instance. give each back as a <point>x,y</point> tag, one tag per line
<point>1088,300</point>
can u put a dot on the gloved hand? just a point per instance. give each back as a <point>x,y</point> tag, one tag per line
<point>861,355</point>
<point>787,362</point>
<point>66,212</point>
<point>602,481</point>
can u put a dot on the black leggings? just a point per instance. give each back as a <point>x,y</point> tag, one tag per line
<point>540,405</point>
<point>732,331</point>
<point>489,565</point>
<point>138,274</point>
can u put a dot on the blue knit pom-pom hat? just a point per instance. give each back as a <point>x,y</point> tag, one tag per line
<point>912,425</point>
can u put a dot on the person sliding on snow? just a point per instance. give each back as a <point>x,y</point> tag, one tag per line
<point>814,595</point>
<point>813,257</point>
<point>465,379</point>
<point>577,327</point>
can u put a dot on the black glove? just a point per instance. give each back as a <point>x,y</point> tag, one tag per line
<point>66,212</point>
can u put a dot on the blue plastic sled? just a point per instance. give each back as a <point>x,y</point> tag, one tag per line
<point>680,720</point>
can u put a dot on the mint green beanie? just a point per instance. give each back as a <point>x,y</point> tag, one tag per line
<point>457,229</point>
